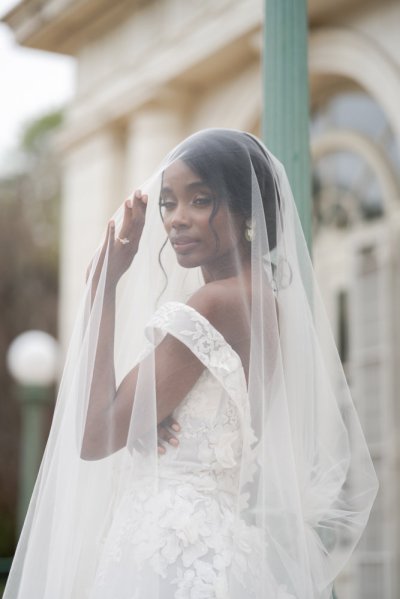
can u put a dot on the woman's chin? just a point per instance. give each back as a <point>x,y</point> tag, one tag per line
<point>188,261</point>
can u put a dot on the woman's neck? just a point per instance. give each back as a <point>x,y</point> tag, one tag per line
<point>225,267</point>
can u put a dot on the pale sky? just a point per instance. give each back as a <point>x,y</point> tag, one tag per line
<point>32,83</point>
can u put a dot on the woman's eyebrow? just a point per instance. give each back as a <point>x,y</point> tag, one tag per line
<point>196,184</point>
<point>165,189</point>
<point>189,186</point>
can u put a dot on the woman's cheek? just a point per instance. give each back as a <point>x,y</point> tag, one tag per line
<point>166,223</point>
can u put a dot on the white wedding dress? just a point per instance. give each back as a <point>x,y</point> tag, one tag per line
<point>178,542</point>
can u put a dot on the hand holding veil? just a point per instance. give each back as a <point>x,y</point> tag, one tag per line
<point>218,321</point>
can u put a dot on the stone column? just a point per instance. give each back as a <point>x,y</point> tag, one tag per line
<point>92,189</point>
<point>152,132</point>
<point>286,99</point>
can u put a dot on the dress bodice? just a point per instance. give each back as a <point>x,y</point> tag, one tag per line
<point>210,441</point>
<point>214,412</point>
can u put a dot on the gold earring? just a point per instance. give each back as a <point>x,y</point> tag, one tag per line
<point>249,231</point>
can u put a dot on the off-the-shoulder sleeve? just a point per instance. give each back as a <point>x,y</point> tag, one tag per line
<point>203,339</point>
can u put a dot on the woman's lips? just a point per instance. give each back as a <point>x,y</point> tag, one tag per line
<point>183,244</point>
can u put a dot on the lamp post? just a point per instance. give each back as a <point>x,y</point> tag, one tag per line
<point>32,360</point>
<point>286,97</point>
<point>286,100</point>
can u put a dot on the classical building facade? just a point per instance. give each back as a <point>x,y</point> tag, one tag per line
<point>150,72</point>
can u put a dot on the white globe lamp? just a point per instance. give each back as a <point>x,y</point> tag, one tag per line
<point>32,359</point>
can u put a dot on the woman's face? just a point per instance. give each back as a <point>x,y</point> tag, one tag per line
<point>186,203</point>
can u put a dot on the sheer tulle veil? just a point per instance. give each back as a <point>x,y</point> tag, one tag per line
<point>304,481</point>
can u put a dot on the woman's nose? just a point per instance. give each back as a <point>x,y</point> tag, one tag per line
<point>180,217</point>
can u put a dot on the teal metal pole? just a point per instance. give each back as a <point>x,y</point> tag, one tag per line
<point>34,401</point>
<point>286,114</point>
<point>286,98</point>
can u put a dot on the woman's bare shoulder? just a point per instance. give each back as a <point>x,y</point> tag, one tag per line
<point>225,305</point>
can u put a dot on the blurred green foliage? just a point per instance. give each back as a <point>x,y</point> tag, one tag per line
<point>29,250</point>
<point>36,137</point>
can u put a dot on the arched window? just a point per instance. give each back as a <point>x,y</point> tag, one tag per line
<point>356,152</point>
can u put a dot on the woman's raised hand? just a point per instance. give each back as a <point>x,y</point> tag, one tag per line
<point>123,247</point>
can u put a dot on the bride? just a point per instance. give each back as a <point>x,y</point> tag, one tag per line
<point>204,443</point>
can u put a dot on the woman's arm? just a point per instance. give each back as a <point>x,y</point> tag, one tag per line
<point>109,411</point>
<point>176,371</point>
<point>119,257</point>
<point>109,408</point>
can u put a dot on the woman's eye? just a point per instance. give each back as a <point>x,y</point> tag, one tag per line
<point>202,201</point>
<point>167,204</point>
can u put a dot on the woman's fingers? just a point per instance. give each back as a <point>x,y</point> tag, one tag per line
<point>165,435</point>
<point>111,232</point>
<point>140,200</point>
<point>174,424</point>
<point>134,216</point>
<point>170,422</point>
<point>123,246</point>
<point>127,215</point>
<point>160,448</point>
